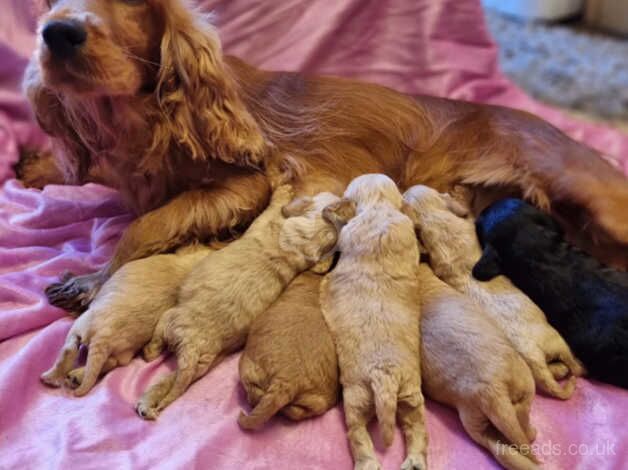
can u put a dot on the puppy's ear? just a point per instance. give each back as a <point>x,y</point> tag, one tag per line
<point>339,213</point>
<point>455,206</point>
<point>297,206</point>
<point>488,266</point>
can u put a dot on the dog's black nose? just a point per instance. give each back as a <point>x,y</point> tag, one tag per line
<point>64,37</point>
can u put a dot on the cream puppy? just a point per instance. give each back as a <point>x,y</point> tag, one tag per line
<point>468,364</point>
<point>289,363</point>
<point>450,240</point>
<point>220,298</point>
<point>122,317</point>
<point>371,304</point>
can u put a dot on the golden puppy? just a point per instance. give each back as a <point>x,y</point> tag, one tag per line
<point>468,364</point>
<point>122,317</point>
<point>453,248</point>
<point>220,298</point>
<point>370,302</point>
<point>289,363</point>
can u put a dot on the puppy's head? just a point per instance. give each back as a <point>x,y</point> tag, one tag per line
<point>512,224</point>
<point>367,190</point>
<point>419,201</point>
<point>306,229</point>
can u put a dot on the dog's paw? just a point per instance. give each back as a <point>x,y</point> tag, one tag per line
<point>52,378</point>
<point>74,378</point>
<point>414,462</point>
<point>74,293</point>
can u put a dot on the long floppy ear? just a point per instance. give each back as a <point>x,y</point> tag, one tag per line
<point>202,111</point>
<point>70,155</point>
<point>488,265</point>
<point>339,213</point>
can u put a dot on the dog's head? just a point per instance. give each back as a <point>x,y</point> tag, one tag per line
<point>313,225</point>
<point>108,47</point>
<point>512,224</point>
<point>158,50</point>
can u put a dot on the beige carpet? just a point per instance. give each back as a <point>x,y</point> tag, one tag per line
<point>583,72</point>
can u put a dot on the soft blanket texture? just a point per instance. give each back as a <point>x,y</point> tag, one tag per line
<point>436,47</point>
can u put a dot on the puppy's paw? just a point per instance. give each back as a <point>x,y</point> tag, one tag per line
<point>414,462</point>
<point>559,370</point>
<point>147,410</point>
<point>367,464</point>
<point>152,350</point>
<point>74,378</point>
<point>52,378</point>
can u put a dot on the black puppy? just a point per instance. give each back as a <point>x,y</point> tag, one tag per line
<point>586,302</point>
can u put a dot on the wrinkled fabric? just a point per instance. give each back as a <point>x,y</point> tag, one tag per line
<point>438,47</point>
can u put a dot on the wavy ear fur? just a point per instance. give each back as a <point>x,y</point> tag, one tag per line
<point>203,113</point>
<point>71,155</point>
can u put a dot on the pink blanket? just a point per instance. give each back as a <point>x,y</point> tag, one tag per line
<point>436,47</point>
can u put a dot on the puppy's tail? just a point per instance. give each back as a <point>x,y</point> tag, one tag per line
<point>385,390</point>
<point>275,398</point>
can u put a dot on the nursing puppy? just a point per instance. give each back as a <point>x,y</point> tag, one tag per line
<point>122,317</point>
<point>453,248</point>
<point>468,364</point>
<point>289,364</point>
<point>370,302</point>
<point>585,301</point>
<point>220,298</point>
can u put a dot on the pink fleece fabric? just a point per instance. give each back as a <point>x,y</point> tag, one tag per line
<point>438,47</point>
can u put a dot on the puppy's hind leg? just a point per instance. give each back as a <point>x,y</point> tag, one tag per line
<point>479,428</point>
<point>146,407</point>
<point>65,361</point>
<point>411,415</point>
<point>75,376</point>
<point>157,343</point>
<point>97,355</point>
<point>358,404</point>
<point>174,385</point>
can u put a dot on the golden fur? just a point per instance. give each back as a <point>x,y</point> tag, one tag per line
<point>370,302</point>
<point>468,363</point>
<point>194,139</point>
<point>289,363</point>
<point>224,293</point>
<point>453,248</point>
<point>122,317</point>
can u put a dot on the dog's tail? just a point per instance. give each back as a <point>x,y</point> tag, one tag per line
<point>275,398</point>
<point>385,388</point>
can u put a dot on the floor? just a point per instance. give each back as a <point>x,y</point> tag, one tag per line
<point>584,72</point>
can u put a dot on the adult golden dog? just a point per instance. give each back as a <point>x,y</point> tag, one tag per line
<point>139,96</point>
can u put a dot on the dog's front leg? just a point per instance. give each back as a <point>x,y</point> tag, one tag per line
<point>195,214</point>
